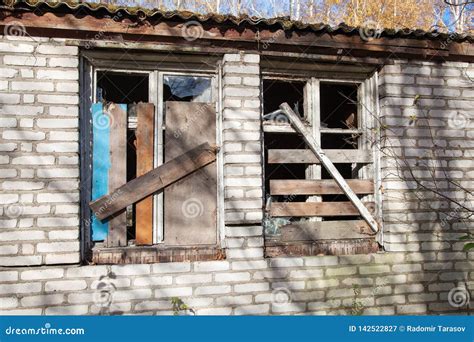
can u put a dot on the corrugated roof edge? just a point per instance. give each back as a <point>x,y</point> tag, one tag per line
<point>284,22</point>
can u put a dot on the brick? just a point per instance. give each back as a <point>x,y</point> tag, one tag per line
<point>211,290</point>
<point>128,295</point>
<point>58,221</point>
<point>51,247</point>
<point>67,310</point>
<point>232,277</point>
<point>341,271</point>
<point>23,135</point>
<point>193,278</point>
<point>252,287</point>
<point>246,253</point>
<point>24,60</point>
<point>20,260</point>
<point>234,300</point>
<point>411,309</point>
<point>20,288</point>
<point>131,269</point>
<point>49,273</point>
<point>172,267</point>
<point>244,231</point>
<point>8,302</point>
<point>173,292</point>
<point>321,261</point>
<point>375,269</point>
<point>86,271</point>
<point>257,309</point>
<point>65,285</point>
<point>210,266</point>
<point>42,300</point>
<point>57,123</point>
<point>8,276</point>
<point>286,262</point>
<point>152,281</point>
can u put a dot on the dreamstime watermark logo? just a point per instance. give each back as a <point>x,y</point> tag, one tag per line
<point>458,120</point>
<point>278,118</point>
<point>192,208</point>
<point>102,120</point>
<point>458,297</point>
<point>281,296</point>
<point>370,30</point>
<point>14,210</point>
<point>104,291</point>
<point>192,30</point>
<point>14,29</point>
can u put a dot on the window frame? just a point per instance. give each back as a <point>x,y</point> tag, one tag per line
<point>367,126</point>
<point>90,66</point>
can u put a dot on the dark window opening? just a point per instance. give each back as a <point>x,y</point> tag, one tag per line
<point>276,92</point>
<point>125,88</point>
<point>275,141</point>
<point>338,105</point>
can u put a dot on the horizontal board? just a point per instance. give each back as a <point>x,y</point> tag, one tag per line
<point>318,187</point>
<point>289,156</point>
<point>306,209</point>
<point>325,230</point>
<point>325,247</point>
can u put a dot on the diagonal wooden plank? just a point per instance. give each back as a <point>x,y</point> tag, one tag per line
<point>329,166</point>
<point>117,236</point>
<point>154,181</point>
<point>145,153</point>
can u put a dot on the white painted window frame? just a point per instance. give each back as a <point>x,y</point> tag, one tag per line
<point>367,123</point>
<point>155,79</point>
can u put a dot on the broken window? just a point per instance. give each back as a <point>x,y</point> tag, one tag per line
<point>145,123</point>
<point>307,213</point>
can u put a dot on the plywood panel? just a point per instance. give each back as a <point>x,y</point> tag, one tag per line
<point>100,166</point>
<point>318,187</point>
<point>145,154</point>
<point>288,156</point>
<point>302,209</point>
<point>118,171</point>
<point>190,205</point>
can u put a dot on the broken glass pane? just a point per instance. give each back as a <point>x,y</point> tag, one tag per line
<point>187,88</point>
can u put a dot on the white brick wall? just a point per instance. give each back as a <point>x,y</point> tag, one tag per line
<point>39,197</point>
<point>39,98</point>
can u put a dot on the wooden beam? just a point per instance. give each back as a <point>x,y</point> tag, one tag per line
<point>323,209</point>
<point>145,154</point>
<point>117,236</point>
<point>154,181</point>
<point>292,156</point>
<point>318,187</point>
<point>328,165</point>
<point>325,230</point>
<point>223,33</point>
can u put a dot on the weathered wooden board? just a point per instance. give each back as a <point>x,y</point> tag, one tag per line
<point>100,165</point>
<point>154,181</point>
<point>318,187</point>
<point>145,154</point>
<point>325,230</point>
<point>190,205</point>
<point>289,156</point>
<point>303,209</point>
<point>118,171</point>
<point>325,247</point>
